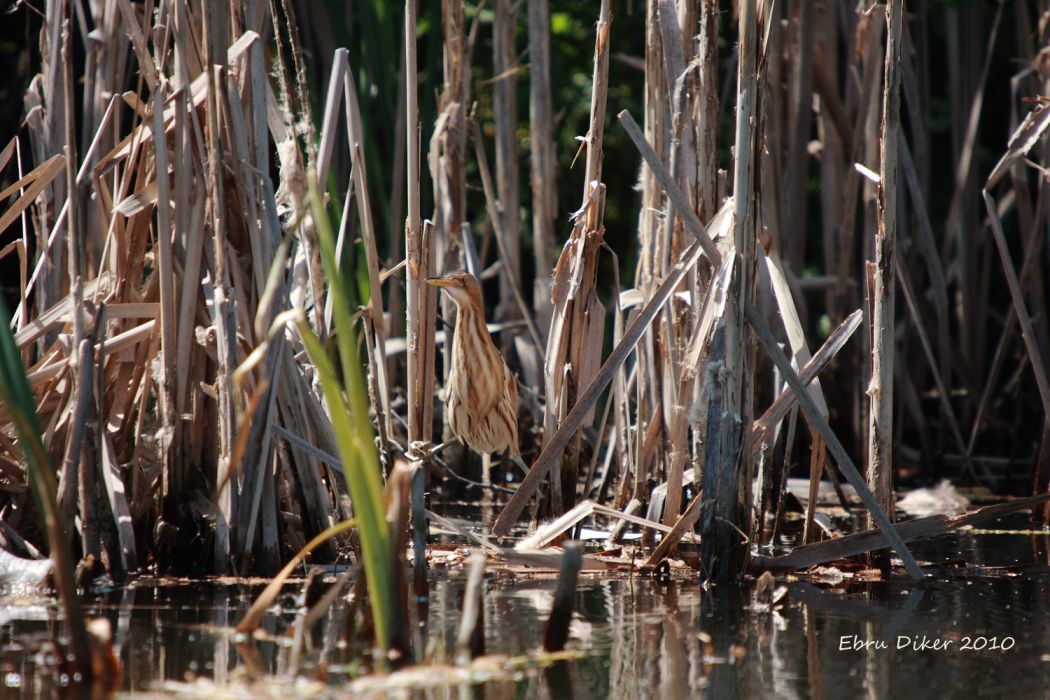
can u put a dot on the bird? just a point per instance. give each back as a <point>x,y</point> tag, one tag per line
<point>481,396</point>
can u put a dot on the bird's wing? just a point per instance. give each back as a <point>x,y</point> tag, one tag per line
<point>512,386</point>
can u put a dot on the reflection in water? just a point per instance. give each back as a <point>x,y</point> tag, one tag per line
<point>638,639</point>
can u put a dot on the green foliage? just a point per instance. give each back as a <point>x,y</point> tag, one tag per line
<point>347,402</point>
<point>18,400</point>
<point>561,24</point>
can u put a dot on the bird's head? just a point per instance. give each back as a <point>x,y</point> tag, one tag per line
<point>462,287</point>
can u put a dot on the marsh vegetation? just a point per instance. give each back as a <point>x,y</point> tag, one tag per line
<point>720,246</point>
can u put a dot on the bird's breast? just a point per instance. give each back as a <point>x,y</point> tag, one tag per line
<point>480,403</point>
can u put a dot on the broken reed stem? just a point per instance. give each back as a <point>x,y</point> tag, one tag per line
<point>725,510</point>
<point>880,389</point>
<point>816,467</point>
<point>68,481</point>
<point>768,341</point>
<point>682,162</point>
<point>809,372</point>
<point>577,316</point>
<point>683,524</point>
<point>587,398</point>
<point>418,431</point>
<point>599,94</point>
<point>470,639</point>
<point>856,543</point>
<point>556,633</point>
<point>456,92</point>
<point>846,466</point>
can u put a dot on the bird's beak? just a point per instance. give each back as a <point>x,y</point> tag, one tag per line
<point>439,281</point>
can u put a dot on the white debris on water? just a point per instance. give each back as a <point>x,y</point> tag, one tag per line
<point>942,499</point>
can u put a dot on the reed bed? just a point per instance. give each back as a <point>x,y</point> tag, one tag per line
<point>221,376</point>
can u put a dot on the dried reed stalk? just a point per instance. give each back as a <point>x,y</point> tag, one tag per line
<point>726,481</point>
<point>541,143</point>
<point>451,182</point>
<point>181,230</point>
<point>183,381</point>
<point>577,324</point>
<point>505,109</point>
<point>420,306</point>
<point>880,388</point>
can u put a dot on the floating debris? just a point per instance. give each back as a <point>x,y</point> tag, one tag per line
<point>942,499</point>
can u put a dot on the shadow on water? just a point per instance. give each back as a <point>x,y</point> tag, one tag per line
<point>960,634</point>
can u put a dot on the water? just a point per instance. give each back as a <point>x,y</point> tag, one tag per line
<point>631,638</point>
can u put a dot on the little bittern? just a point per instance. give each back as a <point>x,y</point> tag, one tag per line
<point>481,398</point>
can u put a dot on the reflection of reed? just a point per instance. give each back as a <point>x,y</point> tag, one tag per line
<point>623,653</point>
<point>672,658</point>
<point>654,649</point>
<point>813,657</point>
<point>640,639</point>
<point>720,609</point>
<point>221,619</point>
<point>876,665</point>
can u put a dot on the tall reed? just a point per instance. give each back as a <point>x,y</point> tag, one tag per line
<point>347,400</point>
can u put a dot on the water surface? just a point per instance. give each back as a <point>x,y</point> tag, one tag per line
<point>631,637</point>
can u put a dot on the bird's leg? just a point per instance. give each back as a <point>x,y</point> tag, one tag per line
<point>421,451</point>
<point>521,463</point>
<point>486,493</point>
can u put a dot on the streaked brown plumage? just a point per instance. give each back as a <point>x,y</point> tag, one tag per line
<point>481,398</point>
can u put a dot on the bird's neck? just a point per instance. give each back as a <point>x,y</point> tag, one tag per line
<point>466,316</point>
<point>471,320</point>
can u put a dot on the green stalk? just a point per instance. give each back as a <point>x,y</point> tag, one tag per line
<point>15,395</point>
<point>348,407</point>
